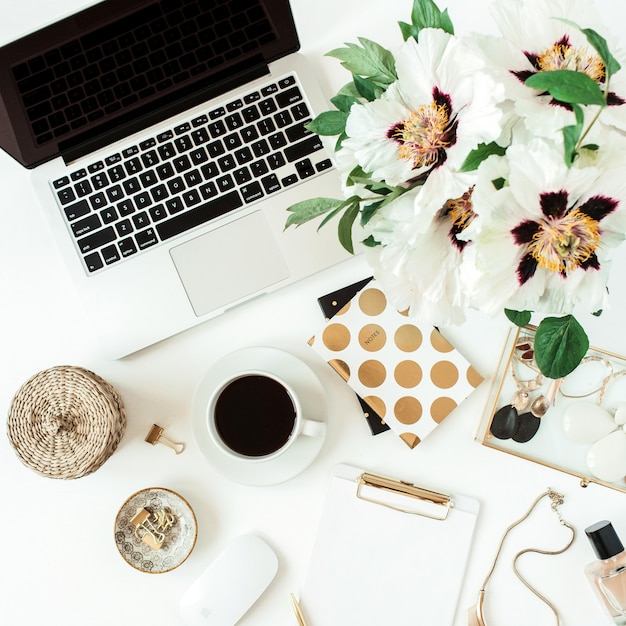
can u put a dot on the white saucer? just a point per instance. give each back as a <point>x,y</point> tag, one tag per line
<point>312,398</point>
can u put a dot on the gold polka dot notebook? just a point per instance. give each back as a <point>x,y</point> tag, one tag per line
<point>410,375</point>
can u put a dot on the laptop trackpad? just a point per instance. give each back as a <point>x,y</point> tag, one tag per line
<point>229,263</point>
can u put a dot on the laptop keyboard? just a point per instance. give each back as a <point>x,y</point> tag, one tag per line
<point>230,157</point>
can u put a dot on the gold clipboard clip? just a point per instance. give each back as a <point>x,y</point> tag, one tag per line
<point>399,487</point>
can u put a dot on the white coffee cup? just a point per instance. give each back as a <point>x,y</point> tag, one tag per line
<point>257,416</point>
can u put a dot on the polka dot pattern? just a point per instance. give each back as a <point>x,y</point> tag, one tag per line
<point>412,377</point>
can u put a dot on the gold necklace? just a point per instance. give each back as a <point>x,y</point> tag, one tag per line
<point>475,616</point>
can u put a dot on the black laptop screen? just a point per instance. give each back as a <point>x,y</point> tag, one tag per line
<point>121,65</point>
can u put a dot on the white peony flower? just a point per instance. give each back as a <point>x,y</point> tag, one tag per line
<point>534,39</point>
<point>421,259</point>
<point>440,108</point>
<point>543,239</point>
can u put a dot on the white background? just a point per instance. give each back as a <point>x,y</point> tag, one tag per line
<point>59,564</point>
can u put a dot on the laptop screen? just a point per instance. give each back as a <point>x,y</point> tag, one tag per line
<point>122,65</point>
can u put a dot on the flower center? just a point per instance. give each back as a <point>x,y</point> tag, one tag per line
<point>423,135</point>
<point>460,211</point>
<point>563,56</point>
<point>566,243</point>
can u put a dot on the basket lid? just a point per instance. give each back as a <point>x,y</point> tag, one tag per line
<point>65,422</point>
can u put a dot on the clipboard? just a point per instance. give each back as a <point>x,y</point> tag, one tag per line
<point>387,552</point>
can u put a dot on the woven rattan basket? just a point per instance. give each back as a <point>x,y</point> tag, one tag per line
<point>65,422</point>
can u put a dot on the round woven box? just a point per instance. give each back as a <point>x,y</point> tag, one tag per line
<point>65,422</point>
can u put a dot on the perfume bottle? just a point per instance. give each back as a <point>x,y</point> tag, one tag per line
<point>607,575</point>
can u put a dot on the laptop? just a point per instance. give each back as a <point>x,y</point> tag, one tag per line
<point>166,140</point>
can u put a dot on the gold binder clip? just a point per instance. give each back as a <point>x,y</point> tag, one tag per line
<point>156,436</point>
<point>439,502</point>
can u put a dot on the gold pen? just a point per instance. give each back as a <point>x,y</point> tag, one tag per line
<point>296,608</point>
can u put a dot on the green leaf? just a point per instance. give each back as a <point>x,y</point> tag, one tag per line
<point>305,211</point>
<point>329,123</point>
<point>344,103</point>
<point>560,345</point>
<point>370,242</point>
<point>370,210</point>
<point>408,31</point>
<point>345,226</point>
<point>366,88</point>
<point>572,135</point>
<point>498,183</point>
<point>479,154</point>
<point>426,14</point>
<point>568,86</point>
<point>519,318</point>
<point>602,48</point>
<point>331,214</point>
<point>369,60</point>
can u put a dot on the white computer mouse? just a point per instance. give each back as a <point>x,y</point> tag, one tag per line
<point>231,584</point>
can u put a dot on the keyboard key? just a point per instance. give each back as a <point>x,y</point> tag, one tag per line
<point>174,205</point>
<point>267,107</point>
<point>300,111</point>
<point>148,179</point>
<point>124,227</point>
<point>127,247</point>
<point>258,168</point>
<point>270,183</point>
<point>286,82</point>
<point>305,168</point>
<point>150,158</point>
<point>108,215</point>
<point>83,188</point>
<point>289,97</point>
<point>199,215</point>
<point>251,192</point>
<point>74,211</point>
<point>297,132</point>
<point>142,200</point>
<point>276,160</point>
<point>86,225</point>
<point>282,119</point>
<point>66,195</point>
<point>250,114</point>
<point>326,164</point>
<point>176,185</point>
<point>277,140</point>
<point>224,183</point>
<point>304,148</point>
<point>158,213</point>
<point>131,186</point>
<point>126,207</point>
<point>141,220</point>
<point>165,171</point>
<point>182,163</point>
<point>116,173</point>
<point>61,182</point>
<point>242,175</point>
<point>198,156</point>
<point>96,240</point>
<point>191,197</point>
<point>146,238</point>
<point>93,262</point>
<point>292,179</point>
<point>110,254</point>
<point>98,201</point>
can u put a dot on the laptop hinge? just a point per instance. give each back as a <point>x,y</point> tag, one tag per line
<point>154,112</point>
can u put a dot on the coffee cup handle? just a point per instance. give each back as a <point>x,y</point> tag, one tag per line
<point>313,428</point>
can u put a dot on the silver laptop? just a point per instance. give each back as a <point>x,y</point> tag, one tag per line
<point>167,138</point>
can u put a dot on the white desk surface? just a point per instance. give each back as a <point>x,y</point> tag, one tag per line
<point>59,561</point>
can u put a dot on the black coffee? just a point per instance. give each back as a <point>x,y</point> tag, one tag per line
<point>254,415</point>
